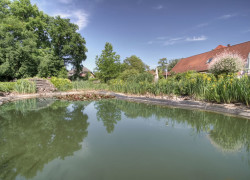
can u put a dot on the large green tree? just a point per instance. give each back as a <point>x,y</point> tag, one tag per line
<point>108,64</point>
<point>162,64</point>
<point>35,44</point>
<point>134,62</point>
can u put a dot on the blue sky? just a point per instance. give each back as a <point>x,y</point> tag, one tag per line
<point>153,29</point>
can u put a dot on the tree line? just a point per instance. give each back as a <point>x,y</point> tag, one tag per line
<point>33,43</point>
<point>109,66</point>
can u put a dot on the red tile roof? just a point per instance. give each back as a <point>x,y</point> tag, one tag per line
<point>199,62</point>
<point>219,47</point>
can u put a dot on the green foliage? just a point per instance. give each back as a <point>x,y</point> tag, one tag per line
<point>33,43</point>
<point>89,85</point>
<point>128,73</point>
<point>226,62</point>
<point>130,87</point>
<point>24,86</point>
<point>224,89</point>
<point>162,64</point>
<point>61,84</point>
<point>135,63</point>
<point>172,64</point>
<point>141,77</point>
<point>7,86</point>
<point>108,64</point>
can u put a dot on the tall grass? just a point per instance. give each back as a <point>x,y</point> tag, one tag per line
<point>24,86</point>
<point>89,85</point>
<point>221,89</point>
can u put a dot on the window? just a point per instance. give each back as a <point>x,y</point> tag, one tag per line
<point>209,60</point>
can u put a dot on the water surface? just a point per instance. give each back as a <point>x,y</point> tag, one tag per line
<point>119,140</point>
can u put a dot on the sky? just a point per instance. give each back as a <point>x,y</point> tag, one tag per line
<point>154,29</point>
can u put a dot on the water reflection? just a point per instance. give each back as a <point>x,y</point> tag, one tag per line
<point>108,112</point>
<point>31,135</point>
<point>35,132</point>
<point>227,133</point>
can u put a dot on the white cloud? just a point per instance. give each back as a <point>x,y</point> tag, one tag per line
<point>78,17</point>
<point>165,41</point>
<point>159,7</point>
<point>172,41</point>
<point>227,16</point>
<point>199,38</point>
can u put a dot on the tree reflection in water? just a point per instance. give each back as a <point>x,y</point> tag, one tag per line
<point>108,112</point>
<point>225,132</point>
<point>31,138</point>
<point>35,132</point>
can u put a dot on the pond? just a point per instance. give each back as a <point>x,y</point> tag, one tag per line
<point>119,140</point>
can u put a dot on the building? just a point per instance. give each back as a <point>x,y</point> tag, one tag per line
<point>83,73</point>
<point>200,62</point>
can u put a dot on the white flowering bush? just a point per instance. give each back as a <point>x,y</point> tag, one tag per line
<point>226,62</point>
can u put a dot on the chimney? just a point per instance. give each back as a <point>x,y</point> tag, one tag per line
<point>228,45</point>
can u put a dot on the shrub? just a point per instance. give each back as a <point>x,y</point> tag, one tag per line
<point>61,84</point>
<point>7,86</point>
<point>128,73</point>
<point>25,86</point>
<point>226,62</point>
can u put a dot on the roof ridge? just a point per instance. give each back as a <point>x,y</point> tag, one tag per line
<point>216,49</point>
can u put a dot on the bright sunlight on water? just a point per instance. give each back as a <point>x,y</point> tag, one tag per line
<point>48,139</point>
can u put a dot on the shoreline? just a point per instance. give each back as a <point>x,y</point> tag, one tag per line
<point>227,109</point>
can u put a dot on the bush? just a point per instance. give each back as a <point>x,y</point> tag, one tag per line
<point>226,62</point>
<point>128,73</point>
<point>61,84</point>
<point>24,86</point>
<point>141,77</point>
<point>7,86</point>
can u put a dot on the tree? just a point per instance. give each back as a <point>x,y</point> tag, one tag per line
<point>33,43</point>
<point>172,64</point>
<point>68,45</point>
<point>108,64</point>
<point>162,64</point>
<point>134,62</point>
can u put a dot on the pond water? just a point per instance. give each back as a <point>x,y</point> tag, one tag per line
<point>119,140</point>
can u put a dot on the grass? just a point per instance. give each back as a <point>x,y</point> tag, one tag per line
<point>89,85</point>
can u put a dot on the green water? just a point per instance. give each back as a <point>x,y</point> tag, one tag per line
<point>47,139</point>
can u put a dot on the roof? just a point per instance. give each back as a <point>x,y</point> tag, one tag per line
<point>199,62</point>
<point>84,69</point>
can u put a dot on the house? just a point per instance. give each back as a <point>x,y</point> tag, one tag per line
<point>84,72</point>
<point>200,62</point>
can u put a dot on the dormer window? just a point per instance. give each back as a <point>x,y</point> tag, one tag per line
<point>209,60</point>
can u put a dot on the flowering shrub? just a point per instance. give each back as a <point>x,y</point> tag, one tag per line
<point>226,62</point>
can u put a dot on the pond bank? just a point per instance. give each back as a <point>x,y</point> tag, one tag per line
<point>232,109</point>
